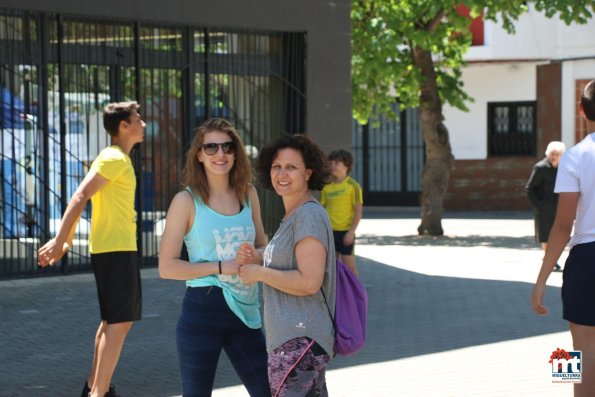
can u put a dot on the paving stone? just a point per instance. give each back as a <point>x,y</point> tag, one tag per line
<point>448,316</point>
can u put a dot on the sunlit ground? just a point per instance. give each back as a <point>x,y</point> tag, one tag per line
<point>480,249</point>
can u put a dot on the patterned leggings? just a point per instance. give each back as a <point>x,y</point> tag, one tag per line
<point>297,369</point>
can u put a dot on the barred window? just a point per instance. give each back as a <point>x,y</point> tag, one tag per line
<point>512,129</point>
<point>57,74</point>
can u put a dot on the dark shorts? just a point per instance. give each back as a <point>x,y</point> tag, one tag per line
<point>578,287</point>
<point>341,248</point>
<point>117,275</point>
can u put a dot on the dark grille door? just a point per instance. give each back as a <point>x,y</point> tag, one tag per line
<point>389,157</point>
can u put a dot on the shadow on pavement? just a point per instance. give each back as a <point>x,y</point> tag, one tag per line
<point>412,314</point>
<point>48,328</point>
<point>415,213</point>
<point>524,242</point>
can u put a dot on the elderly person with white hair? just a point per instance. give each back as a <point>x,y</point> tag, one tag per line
<point>540,190</point>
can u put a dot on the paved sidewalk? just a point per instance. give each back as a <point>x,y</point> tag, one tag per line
<point>449,316</point>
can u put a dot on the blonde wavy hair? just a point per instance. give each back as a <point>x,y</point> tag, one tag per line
<point>240,175</point>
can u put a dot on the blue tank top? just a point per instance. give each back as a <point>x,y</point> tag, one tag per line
<point>215,237</point>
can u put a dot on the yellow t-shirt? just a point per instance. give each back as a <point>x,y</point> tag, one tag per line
<point>113,219</point>
<point>339,200</point>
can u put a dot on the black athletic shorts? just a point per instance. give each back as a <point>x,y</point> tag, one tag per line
<point>117,275</point>
<point>341,248</point>
<point>578,287</point>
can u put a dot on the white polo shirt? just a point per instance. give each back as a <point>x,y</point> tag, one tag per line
<point>576,173</point>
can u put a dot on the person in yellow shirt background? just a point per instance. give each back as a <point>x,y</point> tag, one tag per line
<point>343,201</point>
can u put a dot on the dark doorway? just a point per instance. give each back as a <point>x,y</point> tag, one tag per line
<point>389,157</point>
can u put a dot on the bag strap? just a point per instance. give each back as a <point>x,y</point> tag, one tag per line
<point>329,310</point>
<point>321,290</point>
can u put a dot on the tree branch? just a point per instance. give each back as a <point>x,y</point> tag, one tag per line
<point>433,24</point>
<point>368,14</point>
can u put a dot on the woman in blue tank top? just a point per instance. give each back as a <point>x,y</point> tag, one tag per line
<point>218,211</point>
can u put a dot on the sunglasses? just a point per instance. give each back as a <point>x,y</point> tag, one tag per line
<point>213,148</point>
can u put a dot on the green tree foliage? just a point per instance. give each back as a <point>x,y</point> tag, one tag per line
<point>385,32</point>
<point>411,51</point>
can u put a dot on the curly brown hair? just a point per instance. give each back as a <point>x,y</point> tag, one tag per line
<point>313,157</point>
<point>193,173</point>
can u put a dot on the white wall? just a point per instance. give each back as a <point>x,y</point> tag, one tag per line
<point>504,69</point>
<point>502,82</point>
<point>507,82</point>
<point>536,38</point>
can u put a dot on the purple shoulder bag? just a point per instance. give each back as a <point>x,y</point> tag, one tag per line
<point>351,312</point>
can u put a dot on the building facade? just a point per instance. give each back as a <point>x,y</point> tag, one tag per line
<point>526,88</point>
<point>269,67</point>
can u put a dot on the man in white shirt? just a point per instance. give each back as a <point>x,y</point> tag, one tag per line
<point>575,183</point>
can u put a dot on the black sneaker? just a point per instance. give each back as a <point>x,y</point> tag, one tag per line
<point>86,390</point>
<point>112,392</point>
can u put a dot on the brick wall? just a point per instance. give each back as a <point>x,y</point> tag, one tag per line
<point>492,184</point>
<point>549,104</point>
<point>498,183</point>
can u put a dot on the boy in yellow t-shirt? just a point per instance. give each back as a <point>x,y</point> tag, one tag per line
<point>343,201</point>
<point>110,185</point>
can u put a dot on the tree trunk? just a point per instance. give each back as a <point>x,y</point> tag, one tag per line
<point>434,179</point>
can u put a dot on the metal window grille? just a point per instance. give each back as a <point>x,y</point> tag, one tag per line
<point>512,129</point>
<point>57,72</point>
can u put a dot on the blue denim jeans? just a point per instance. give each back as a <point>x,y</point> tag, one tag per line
<point>205,327</point>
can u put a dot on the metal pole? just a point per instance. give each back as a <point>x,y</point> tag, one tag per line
<point>137,151</point>
<point>62,112</point>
